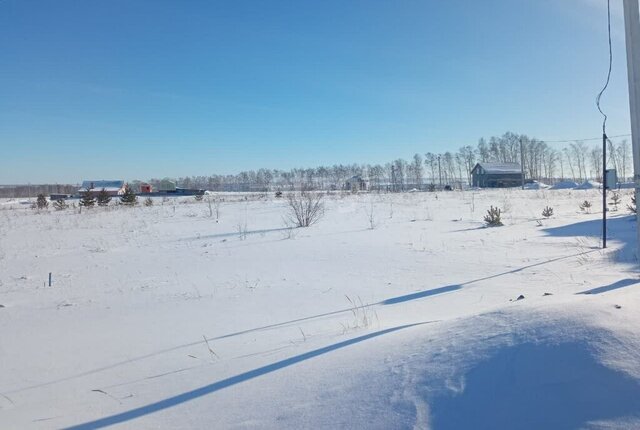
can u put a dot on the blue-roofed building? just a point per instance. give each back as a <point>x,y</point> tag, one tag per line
<point>113,188</point>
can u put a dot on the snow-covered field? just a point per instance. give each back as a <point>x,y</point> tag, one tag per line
<point>161,317</point>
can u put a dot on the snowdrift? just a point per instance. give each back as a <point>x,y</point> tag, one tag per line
<point>564,185</point>
<point>535,185</point>
<point>625,185</point>
<point>589,185</point>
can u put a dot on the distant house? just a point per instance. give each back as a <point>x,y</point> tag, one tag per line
<point>496,175</point>
<point>356,183</point>
<point>146,188</point>
<point>113,188</point>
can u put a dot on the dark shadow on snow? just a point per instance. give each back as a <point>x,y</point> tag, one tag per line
<point>537,386</point>
<point>613,286</point>
<point>480,227</point>
<point>390,301</point>
<point>219,385</point>
<point>620,228</point>
<point>235,233</point>
<point>420,295</point>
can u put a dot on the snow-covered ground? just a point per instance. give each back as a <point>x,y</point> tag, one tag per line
<point>161,317</point>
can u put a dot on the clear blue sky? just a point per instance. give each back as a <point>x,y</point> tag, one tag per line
<point>138,89</point>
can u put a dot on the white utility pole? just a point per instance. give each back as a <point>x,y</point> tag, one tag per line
<point>632,37</point>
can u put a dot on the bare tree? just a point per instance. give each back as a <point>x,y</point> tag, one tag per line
<point>469,158</point>
<point>305,208</point>
<point>596,162</point>
<point>623,157</point>
<point>567,155</point>
<point>613,156</point>
<point>376,175</point>
<point>431,160</point>
<point>417,170</point>
<point>483,151</point>
<point>579,152</point>
<point>549,159</point>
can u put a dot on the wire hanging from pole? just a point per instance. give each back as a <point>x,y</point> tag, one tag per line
<point>606,84</point>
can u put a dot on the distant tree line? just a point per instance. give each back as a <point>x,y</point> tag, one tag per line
<point>13,191</point>
<point>548,163</point>
<point>576,161</point>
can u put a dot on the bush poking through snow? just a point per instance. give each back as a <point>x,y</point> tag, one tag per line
<point>547,212</point>
<point>41,202</point>
<point>615,200</point>
<point>242,230</point>
<point>371,215</point>
<point>632,206</point>
<point>363,316</point>
<point>506,204</point>
<point>214,205</point>
<point>129,198</point>
<point>60,205</point>
<point>586,206</point>
<point>492,218</point>
<point>305,208</point>
<point>103,198</point>
<point>148,202</point>
<point>198,197</point>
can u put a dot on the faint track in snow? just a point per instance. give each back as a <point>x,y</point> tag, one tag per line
<point>228,382</point>
<point>385,302</point>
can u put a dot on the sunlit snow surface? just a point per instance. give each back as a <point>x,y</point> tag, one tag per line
<point>411,324</point>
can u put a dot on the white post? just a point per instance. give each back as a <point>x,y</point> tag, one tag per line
<point>632,37</point>
<point>522,162</point>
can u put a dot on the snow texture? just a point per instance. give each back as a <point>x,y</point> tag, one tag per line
<point>393,312</point>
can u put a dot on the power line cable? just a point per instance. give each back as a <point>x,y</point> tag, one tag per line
<point>583,140</point>
<point>604,119</point>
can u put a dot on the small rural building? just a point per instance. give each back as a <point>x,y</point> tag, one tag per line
<point>145,188</point>
<point>496,175</point>
<point>113,188</point>
<point>356,183</point>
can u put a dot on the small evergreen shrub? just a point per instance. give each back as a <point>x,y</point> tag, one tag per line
<point>148,201</point>
<point>87,200</point>
<point>547,212</point>
<point>60,205</point>
<point>103,198</point>
<point>41,202</point>
<point>128,198</point>
<point>493,217</point>
<point>632,207</point>
<point>586,206</point>
<point>615,200</point>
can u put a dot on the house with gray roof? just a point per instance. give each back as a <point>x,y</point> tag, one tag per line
<point>496,175</point>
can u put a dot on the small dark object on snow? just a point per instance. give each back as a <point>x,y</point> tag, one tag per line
<point>1,306</point>
<point>278,194</point>
<point>548,294</point>
<point>520,297</point>
<point>617,306</point>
